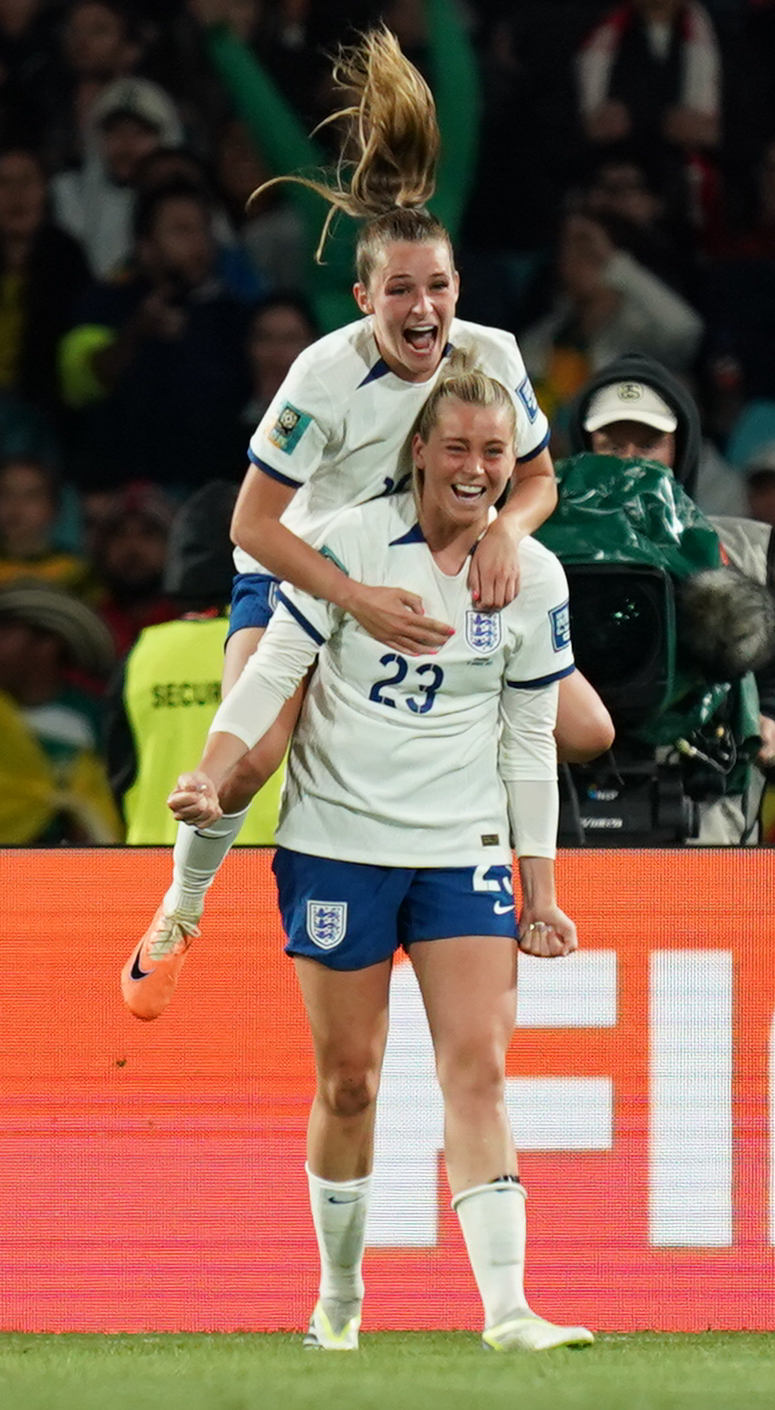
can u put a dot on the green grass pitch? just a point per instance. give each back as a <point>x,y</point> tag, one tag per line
<point>392,1371</point>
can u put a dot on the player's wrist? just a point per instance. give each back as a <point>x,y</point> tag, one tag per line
<point>348,596</point>
<point>509,523</point>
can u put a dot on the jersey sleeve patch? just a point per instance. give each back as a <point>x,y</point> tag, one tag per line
<point>528,398</point>
<point>326,552</point>
<point>560,621</point>
<point>289,428</point>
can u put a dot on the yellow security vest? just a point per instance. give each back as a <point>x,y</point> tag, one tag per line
<point>171,692</point>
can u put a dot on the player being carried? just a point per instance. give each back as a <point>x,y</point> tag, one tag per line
<point>335,436</point>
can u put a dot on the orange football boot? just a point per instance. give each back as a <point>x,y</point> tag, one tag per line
<point>150,976</point>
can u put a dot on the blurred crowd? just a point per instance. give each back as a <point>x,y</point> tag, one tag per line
<point>608,175</point>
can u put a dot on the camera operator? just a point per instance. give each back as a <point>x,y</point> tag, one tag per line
<point>634,408</point>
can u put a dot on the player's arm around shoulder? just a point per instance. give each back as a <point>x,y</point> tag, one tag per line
<point>494,578</point>
<point>392,615</point>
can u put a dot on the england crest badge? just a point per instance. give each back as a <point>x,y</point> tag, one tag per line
<point>483,631</point>
<point>326,923</point>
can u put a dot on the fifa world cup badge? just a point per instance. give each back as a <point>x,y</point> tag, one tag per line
<point>560,620</point>
<point>289,428</point>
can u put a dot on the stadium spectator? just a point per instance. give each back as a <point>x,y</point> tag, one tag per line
<point>54,785</point>
<point>95,202</point>
<point>233,265</point>
<point>625,192</point>
<point>315,448</point>
<point>649,414</point>
<point>281,328</point>
<point>30,502</point>
<point>650,70</point>
<point>606,304</point>
<point>99,42</point>
<point>161,702</point>
<point>271,232</point>
<point>364,744</point>
<point>42,273</point>
<point>155,364</point>
<point>129,545</point>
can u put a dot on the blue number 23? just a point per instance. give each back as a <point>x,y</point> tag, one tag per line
<point>428,688</point>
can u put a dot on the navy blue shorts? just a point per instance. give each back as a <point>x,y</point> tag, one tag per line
<point>253,600</point>
<point>350,915</point>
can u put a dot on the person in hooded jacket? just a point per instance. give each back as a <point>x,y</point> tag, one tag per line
<point>95,202</point>
<point>634,407</point>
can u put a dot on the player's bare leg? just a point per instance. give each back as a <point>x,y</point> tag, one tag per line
<point>150,976</point>
<point>348,1017</point>
<point>468,985</point>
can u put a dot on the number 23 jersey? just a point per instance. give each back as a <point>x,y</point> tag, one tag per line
<point>395,757</point>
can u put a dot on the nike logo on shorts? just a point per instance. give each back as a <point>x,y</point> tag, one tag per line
<point>502,908</point>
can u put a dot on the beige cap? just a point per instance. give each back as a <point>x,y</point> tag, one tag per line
<point>629,401</point>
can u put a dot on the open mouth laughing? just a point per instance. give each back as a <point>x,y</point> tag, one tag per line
<point>468,494</point>
<point>421,338</point>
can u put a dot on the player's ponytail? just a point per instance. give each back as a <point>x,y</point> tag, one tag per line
<point>389,153</point>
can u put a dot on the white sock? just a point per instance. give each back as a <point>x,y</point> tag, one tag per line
<point>492,1218</point>
<point>339,1209</point>
<point>196,857</point>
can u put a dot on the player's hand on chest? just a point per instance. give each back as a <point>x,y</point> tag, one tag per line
<point>466,672</point>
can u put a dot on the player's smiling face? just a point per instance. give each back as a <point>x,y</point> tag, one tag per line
<point>412,294</point>
<point>465,464</point>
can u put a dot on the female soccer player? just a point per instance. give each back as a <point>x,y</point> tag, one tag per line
<point>336,435</point>
<point>395,831</point>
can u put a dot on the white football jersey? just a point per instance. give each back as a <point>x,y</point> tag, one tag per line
<point>338,430</point>
<point>395,758</point>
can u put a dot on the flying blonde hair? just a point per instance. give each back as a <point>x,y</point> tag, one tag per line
<point>386,171</point>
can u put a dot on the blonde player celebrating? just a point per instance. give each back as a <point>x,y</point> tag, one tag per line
<point>333,437</point>
<point>406,776</point>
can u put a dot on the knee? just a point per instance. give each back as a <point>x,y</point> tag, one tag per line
<point>349,1092</point>
<point>472,1077</point>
